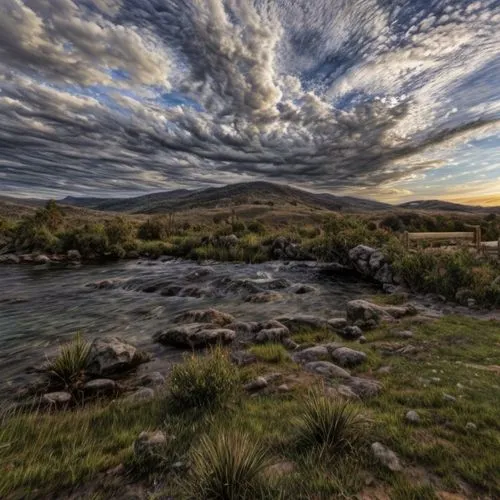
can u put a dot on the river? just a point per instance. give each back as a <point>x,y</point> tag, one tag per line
<point>42,307</point>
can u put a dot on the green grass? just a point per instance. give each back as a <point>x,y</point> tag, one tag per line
<point>332,426</point>
<point>47,454</point>
<point>204,382</point>
<point>70,363</point>
<point>228,466</point>
<point>270,353</point>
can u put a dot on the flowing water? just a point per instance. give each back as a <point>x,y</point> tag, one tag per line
<point>42,307</point>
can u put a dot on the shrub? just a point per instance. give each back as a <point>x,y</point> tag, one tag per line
<point>204,381</point>
<point>70,363</point>
<point>270,353</point>
<point>119,231</point>
<point>256,226</point>
<point>90,240</point>
<point>156,228</point>
<point>333,426</point>
<point>228,467</point>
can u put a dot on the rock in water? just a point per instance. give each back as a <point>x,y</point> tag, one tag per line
<point>386,457</point>
<point>212,316</point>
<point>113,355</point>
<point>196,335</point>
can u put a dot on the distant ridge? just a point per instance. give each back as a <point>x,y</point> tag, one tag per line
<point>447,206</point>
<point>258,192</point>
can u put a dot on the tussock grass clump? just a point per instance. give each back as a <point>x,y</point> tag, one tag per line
<point>204,381</point>
<point>270,353</point>
<point>70,363</point>
<point>228,467</point>
<point>333,426</point>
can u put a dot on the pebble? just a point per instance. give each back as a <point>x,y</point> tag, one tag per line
<point>471,426</point>
<point>256,385</point>
<point>449,397</point>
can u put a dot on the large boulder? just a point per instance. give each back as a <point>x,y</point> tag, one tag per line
<point>369,315</point>
<point>212,316</point>
<point>195,336</point>
<point>316,353</point>
<point>113,355</point>
<point>371,262</point>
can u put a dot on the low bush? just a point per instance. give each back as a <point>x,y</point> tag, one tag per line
<point>156,228</point>
<point>90,240</point>
<point>119,231</point>
<point>228,467</point>
<point>330,425</point>
<point>70,363</point>
<point>204,382</point>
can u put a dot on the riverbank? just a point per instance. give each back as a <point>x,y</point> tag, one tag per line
<point>432,402</point>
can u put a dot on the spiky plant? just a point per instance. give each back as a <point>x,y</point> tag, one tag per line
<point>228,467</point>
<point>332,426</point>
<point>70,363</point>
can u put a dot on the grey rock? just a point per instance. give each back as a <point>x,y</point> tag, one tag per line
<point>256,385</point>
<point>405,334</point>
<point>300,289</point>
<point>241,327</point>
<point>149,444</point>
<point>302,322</point>
<point>152,379</point>
<point>345,356</point>
<point>412,417</point>
<point>362,339</point>
<point>212,316</point>
<point>271,335</point>
<point>290,344</point>
<point>284,388</point>
<point>144,394</point>
<point>364,387</point>
<point>74,255</point>
<point>316,353</point>
<point>327,369</point>
<point>337,324</point>
<point>57,398</point>
<point>195,336</point>
<point>100,386</point>
<point>113,355</point>
<point>41,259</point>
<point>470,426</point>
<point>9,258</point>
<point>386,457</point>
<point>276,284</point>
<point>364,313</point>
<point>263,297</point>
<point>243,358</point>
<point>449,398</point>
<point>351,332</point>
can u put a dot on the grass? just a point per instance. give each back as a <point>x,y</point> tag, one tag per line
<point>332,426</point>
<point>44,454</point>
<point>204,382</point>
<point>228,466</point>
<point>70,363</point>
<point>270,353</point>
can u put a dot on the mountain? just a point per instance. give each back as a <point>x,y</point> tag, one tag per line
<point>257,193</point>
<point>446,206</point>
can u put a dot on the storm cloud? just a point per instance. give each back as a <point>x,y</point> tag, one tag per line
<point>114,96</point>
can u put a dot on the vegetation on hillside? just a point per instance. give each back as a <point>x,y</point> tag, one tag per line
<point>230,236</point>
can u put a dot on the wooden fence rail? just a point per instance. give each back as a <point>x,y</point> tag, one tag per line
<point>474,236</point>
<point>489,249</point>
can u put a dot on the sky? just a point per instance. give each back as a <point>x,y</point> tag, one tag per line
<point>394,100</point>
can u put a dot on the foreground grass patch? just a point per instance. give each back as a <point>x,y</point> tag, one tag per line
<point>449,379</point>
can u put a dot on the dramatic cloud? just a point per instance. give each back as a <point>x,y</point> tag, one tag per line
<point>113,96</point>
